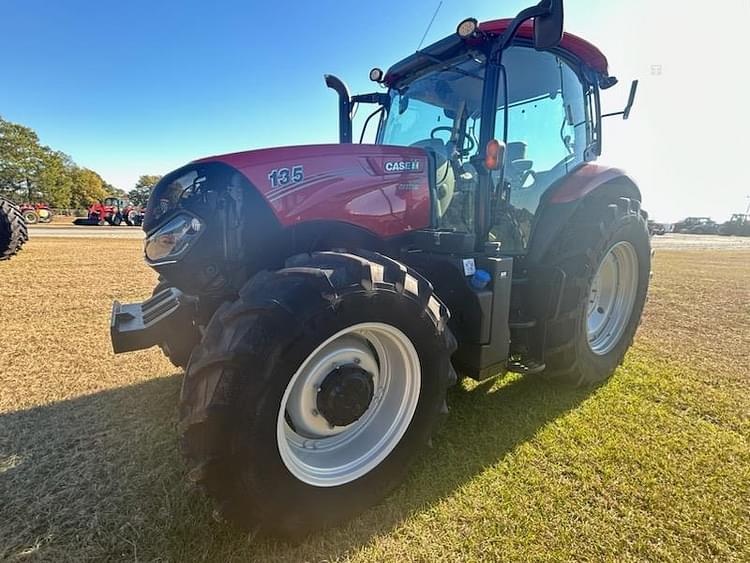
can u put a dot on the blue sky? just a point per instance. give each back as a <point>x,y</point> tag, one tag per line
<point>129,88</point>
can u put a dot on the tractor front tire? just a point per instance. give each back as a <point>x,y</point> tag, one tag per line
<point>606,255</point>
<point>312,392</point>
<point>13,230</point>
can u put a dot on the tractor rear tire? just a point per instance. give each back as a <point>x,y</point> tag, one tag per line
<point>177,346</point>
<point>606,256</point>
<point>13,230</point>
<point>237,427</point>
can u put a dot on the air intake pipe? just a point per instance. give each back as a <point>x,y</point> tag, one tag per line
<point>345,105</point>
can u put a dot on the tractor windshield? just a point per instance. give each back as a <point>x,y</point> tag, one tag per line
<point>439,112</point>
<point>428,107</point>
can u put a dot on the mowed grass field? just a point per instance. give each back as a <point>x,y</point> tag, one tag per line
<point>654,466</point>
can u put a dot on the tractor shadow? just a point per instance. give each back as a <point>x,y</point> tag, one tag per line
<point>101,476</point>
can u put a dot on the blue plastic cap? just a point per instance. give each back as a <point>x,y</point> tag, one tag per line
<point>480,279</point>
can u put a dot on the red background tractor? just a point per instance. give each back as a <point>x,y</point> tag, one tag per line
<point>113,211</point>
<point>36,213</point>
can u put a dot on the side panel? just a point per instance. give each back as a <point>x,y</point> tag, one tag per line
<point>583,181</point>
<point>382,189</point>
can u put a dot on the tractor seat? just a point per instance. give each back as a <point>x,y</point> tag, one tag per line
<point>446,181</point>
<point>436,147</point>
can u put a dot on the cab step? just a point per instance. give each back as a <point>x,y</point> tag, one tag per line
<point>527,367</point>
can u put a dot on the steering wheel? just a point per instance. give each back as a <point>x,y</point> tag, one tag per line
<point>471,141</point>
<point>440,128</point>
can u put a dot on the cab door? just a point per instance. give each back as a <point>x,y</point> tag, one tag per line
<point>548,132</point>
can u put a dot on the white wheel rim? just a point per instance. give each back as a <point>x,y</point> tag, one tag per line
<point>325,456</point>
<point>611,297</point>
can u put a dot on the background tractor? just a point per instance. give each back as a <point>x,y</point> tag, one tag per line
<point>696,226</point>
<point>323,298</point>
<point>738,225</point>
<point>13,231</point>
<point>36,213</point>
<point>113,211</point>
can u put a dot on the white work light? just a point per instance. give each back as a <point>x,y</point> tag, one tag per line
<point>376,75</point>
<point>467,28</point>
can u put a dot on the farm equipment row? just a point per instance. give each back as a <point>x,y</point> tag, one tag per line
<point>737,225</point>
<point>113,211</point>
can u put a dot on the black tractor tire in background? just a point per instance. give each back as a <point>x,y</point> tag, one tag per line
<point>237,377</point>
<point>177,346</point>
<point>13,230</point>
<point>594,230</point>
<point>30,217</point>
<point>134,219</point>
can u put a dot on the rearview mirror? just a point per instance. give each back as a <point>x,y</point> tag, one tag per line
<point>631,99</point>
<point>548,28</point>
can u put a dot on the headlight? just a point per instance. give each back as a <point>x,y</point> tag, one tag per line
<point>169,242</point>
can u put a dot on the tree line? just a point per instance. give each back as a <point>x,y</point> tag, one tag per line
<point>32,172</point>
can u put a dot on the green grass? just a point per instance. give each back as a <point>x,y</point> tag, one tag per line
<point>655,465</point>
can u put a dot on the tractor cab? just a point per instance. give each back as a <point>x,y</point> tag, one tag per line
<point>115,203</point>
<point>536,110</point>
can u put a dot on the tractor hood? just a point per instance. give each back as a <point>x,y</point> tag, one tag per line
<point>254,207</point>
<point>383,189</point>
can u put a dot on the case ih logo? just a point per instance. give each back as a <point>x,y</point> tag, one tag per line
<point>402,165</point>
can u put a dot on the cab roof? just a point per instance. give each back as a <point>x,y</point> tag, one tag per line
<point>587,52</point>
<point>453,45</point>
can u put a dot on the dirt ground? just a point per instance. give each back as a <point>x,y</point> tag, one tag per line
<point>672,241</point>
<point>655,465</point>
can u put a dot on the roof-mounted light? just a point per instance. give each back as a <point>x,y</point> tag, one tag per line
<point>467,28</point>
<point>376,75</point>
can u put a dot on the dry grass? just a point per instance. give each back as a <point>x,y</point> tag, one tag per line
<point>653,466</point>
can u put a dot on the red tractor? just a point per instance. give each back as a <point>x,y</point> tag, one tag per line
<point>323,298</point>
<point>36,213</point>
<point>113,211</point>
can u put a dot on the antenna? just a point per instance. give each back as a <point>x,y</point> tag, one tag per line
<point>429,25</point>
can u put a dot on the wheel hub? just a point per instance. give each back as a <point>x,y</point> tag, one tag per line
<point>345,394</point>
<point>348,404</point>
<point>612,297</point>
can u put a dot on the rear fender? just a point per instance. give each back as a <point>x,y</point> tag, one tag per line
<point>564,198</point>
